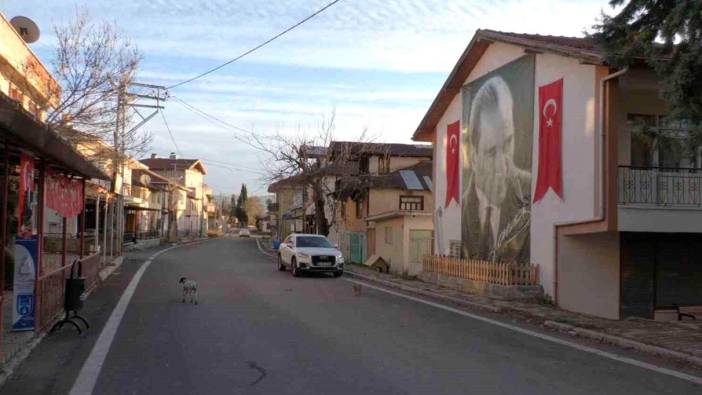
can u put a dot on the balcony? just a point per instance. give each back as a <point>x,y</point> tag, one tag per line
<point>660,186</point>
<point>662,199</point>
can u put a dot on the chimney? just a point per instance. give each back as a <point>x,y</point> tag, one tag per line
<point>153,155</point>
<point>173,155</point>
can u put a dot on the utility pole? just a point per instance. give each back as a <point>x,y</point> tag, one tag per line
<point>130,96</point>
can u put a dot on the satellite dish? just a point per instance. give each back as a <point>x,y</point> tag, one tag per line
<point>27,29</point>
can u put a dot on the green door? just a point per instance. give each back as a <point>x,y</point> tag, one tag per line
<point>357,247</point>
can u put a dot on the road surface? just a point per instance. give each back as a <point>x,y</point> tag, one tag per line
<point>261,331</point>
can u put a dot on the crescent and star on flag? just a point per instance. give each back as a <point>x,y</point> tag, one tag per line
<point>550,169</point>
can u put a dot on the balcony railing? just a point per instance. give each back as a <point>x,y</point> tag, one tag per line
<point>660,186</point>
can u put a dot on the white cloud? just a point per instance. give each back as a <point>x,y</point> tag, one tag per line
<point>276,89</point>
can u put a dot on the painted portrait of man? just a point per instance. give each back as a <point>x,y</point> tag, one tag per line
<point>498,114</point>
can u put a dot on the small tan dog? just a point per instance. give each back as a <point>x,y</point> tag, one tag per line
<point>356,289</point>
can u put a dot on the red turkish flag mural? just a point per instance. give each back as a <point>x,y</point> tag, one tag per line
<point>453,145</point>
<point>550,136</point>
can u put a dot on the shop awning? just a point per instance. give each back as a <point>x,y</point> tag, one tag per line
<point>19,128</point>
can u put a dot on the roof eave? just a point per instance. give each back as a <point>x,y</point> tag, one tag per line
<point>452,86</point>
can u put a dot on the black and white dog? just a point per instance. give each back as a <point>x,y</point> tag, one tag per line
<point>189,288</point>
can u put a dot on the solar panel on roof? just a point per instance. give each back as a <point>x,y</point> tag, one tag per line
<point>427,180</point>
<point>411,180</point>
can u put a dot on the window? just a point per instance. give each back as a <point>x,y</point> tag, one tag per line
<point>411,203</point>
<point>313,241</point>
<point>658,142</point>
<point>388,235</point>
<point>359,208</point>
<point>15,93</point>
<point>383,165</point>
<point>363,165</point>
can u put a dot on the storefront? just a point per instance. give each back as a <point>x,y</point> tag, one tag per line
<point>42,221</point>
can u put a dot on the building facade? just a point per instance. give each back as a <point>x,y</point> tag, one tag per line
<point>588,178</point>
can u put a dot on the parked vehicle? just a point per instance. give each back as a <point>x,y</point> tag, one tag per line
<point>243,232</point>
<point>307,253</point>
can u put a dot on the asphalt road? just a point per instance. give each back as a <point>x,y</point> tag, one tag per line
<point>260,331</point>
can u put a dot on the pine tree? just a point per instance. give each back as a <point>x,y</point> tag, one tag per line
<point>241,206</point>
<point>668,36</point>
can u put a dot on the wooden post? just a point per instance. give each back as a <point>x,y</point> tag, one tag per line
<point>64,241</point>
<point>41,201</point>
<point>82,223</point>
<point>3,231</point>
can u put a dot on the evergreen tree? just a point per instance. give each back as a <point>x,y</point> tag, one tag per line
<point>668,36</point>
<point>241,206</point>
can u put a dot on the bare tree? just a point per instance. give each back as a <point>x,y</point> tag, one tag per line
<point>331,175</point>
<point>94,65</point>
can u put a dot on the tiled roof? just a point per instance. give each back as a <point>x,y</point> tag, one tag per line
<point>395,180</point>
<point>291,181</point>
<point>168,163</point>
<point>155,178</point>
<point>393,149</point>
<point>579,48</point>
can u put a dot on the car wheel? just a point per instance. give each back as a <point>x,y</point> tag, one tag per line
<point>281,265</point>
<point>293,268</point>
<point>338,273</point>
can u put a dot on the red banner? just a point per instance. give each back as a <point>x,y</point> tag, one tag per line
<point>550,130</point>
<point>453,145</point>
<point>26,201</point>
<point>63,195</point>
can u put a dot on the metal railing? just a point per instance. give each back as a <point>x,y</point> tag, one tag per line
<point>660,186</point>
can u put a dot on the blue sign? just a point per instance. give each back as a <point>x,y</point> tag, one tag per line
<point>23,313</point>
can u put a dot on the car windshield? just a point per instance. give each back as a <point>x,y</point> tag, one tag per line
<point>313,241</point>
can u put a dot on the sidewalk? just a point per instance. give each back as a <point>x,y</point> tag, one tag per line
<point>17,346</point>
<point>678,340</point>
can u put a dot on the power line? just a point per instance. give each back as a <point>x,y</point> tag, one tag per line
<point>171,134</point>
<point>232,165</point>
<point>256,47</point>
<point>210,116</point>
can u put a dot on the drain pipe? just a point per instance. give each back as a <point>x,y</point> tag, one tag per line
<point>603,137</point>
<point>600,161</point>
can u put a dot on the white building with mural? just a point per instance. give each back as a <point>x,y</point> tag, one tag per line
<point>544,153</point>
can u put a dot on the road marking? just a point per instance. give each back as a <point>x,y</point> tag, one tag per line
<point>542,336</point>
<point>87,378</point>
<point>261,249</point>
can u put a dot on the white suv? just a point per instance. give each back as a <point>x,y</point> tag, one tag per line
<point>310,253</point>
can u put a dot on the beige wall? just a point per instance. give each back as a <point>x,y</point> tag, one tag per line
<point>397,253</point>
<point>21,68</point>
<point>393,253</point>
<point>387,200</point>
<point>579,150</point>
<point>588,274</point>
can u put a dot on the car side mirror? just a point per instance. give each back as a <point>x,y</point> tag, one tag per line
<point>336,246</point>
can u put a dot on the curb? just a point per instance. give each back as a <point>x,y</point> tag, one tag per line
<point>13,363</point>
<point>623,342</point>
<point>9,366</point>
<point>586,333</point>
<point>261,249</point>
<point>461,302</point>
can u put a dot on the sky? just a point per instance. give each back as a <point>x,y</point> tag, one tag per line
<point>376,64</point>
